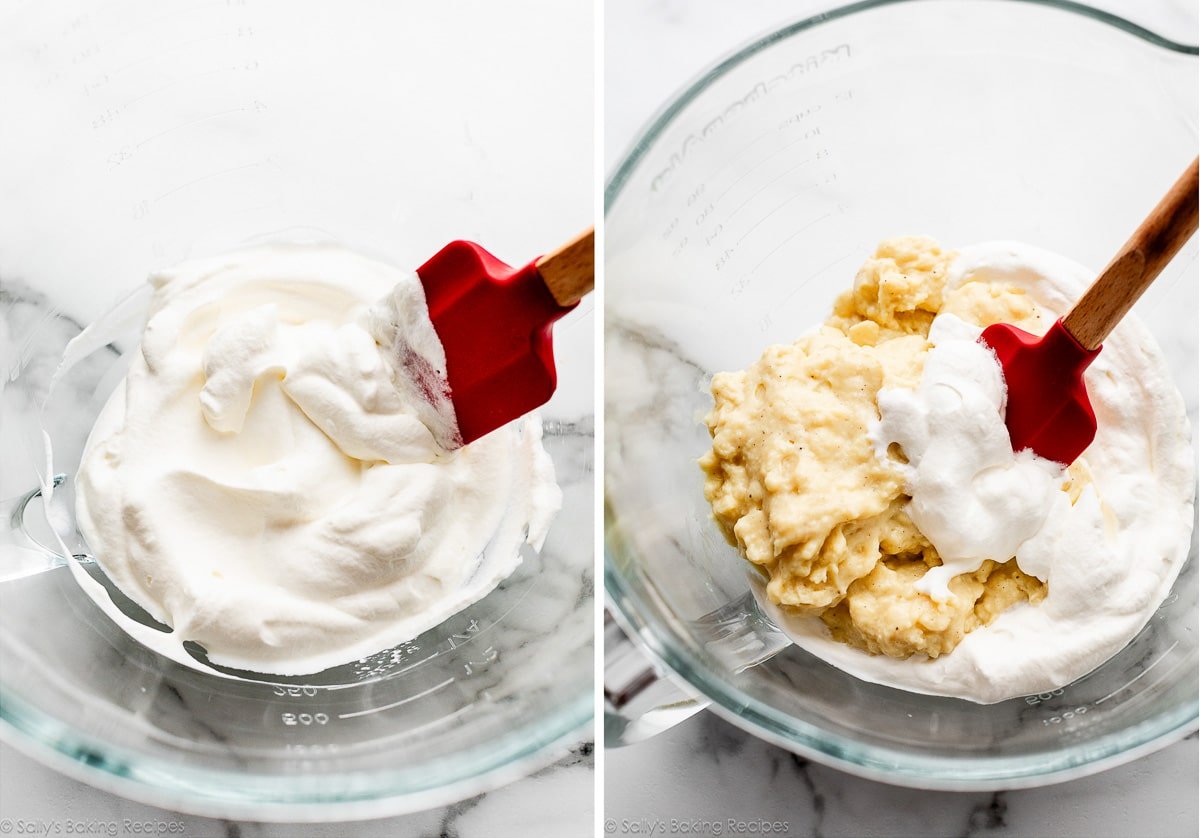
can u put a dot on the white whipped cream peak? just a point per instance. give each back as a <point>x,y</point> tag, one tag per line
<point>260,483</point>
<point>972,497</point>
<point>400,324</point>
<point>1108,560</point>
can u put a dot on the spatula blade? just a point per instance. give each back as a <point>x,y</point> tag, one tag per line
<point>1048,410</point>
<point>494,322</point>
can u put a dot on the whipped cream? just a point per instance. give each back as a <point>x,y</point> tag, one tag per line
<point>1108,560</point>
<point>972,497</point>
<point>266,481</point>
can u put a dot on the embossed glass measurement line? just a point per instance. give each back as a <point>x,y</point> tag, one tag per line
<point>171,84</point>
<point>737,155</point>
<point>763,188</point>
<point>777,247</point>
<point>758,166</point>
<point>143,24</point>
<point>208,176</point>
<point>173,50</point>
<point>754,226</point>
<point>188,125</point>
<point>813,276</point>
<point>1135,678</point>
<point>429,691</point>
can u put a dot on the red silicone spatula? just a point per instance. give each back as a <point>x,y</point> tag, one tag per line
<point>494,322</point>
<point>1048,408</point>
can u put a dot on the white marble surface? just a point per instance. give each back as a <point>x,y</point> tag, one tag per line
<point>555,801</point>
<point>148,134</point>
<point>706,769</point>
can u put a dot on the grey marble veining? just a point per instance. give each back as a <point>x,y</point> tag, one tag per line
<point>479,659</point>
<point>706,770</point>
<point>709,771</point>
<point>557,799</point>
<point>143,137</point>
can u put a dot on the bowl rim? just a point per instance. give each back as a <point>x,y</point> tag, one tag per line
<point>884,764</point>
<point>871,762</point>
<point>692,90</point>
<point>210,793</point>
<point>346,795</point>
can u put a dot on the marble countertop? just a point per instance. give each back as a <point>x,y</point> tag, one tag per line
<point>555,801</point>
<point>391,127</point>
<point>707,770</point>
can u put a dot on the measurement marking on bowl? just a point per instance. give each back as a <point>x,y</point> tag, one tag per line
<point>764,188</point>
<point>174,14</point>
<point>385,675</point>
<point>252,106</point>
<point>811,277</point>
<point>741,284</point>
<point>304,719</point>
<point>311,748</point>
<point>1131,682</point>
<point>473,632</point>
<point>757,166</point>
<point>208,176</point>
<point>449,717</point>
<point>464,637</point>
<point>761,89</point>
<point>768,215</point>
<point>191,77</point>
<point>433,689</point>
<point>490,656</point>
<point>738,154</point>
<point>173,50</point>
<point>456,641</point>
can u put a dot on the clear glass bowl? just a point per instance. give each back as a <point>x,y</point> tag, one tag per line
<point>138,137</point>
<point>743,209</point>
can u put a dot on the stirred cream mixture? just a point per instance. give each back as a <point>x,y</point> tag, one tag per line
<point>866,470</point>
<point>266,481</point>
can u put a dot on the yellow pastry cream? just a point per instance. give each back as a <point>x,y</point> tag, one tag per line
<point>796,483</point>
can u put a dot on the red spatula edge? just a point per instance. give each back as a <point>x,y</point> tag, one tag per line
<point>496,334</point>
<point>1047,407</point>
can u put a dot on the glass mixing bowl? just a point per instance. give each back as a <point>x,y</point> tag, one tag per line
<point>741,211</point>
<point>136,137</point>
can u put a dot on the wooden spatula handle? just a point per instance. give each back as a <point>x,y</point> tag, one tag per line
<point>1136,265</point>
<point>570,271</point>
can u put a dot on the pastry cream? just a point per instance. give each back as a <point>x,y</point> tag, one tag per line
<point>866,470</point>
